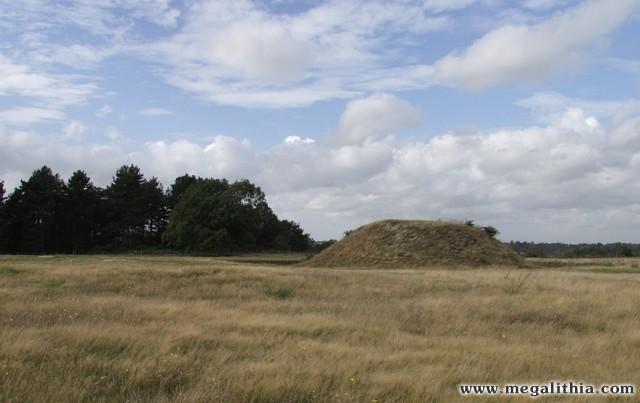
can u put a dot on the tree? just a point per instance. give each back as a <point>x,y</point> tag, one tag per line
<point>213,216</point>
<point>249,214</point>
<point>3,221</point>
<point>180,185</point>
<point>292,237</point>
<point>135,208</point>
<point>82,204</point>
<point>156,211</point>
<point>34,214</point>
<point>199,222</point>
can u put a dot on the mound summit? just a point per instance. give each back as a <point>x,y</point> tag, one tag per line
<point>404,243</point>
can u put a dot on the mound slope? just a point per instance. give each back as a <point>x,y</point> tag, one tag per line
<point>402,243</point>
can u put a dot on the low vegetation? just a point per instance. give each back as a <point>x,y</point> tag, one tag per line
<point>393,244</point>
<point>181,329</point>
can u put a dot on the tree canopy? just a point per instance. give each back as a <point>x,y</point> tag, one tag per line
<point>199,215</point>
<point>215,215</point>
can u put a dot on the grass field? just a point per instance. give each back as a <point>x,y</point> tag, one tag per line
<point>250,329</point>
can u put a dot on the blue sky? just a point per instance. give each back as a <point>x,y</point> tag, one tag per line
<point>524,115</point>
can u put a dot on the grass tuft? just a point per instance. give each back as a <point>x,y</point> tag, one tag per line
<point>281,293</point>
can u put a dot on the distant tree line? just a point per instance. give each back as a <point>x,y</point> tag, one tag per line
<point>563,250</point>
<point>45,214</point>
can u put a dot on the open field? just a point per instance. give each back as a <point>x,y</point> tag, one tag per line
<point>127,328</point>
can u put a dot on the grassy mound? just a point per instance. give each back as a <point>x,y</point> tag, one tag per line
<point>402,243</point>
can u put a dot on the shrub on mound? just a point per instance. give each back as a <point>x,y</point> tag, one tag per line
<point>403,243</point>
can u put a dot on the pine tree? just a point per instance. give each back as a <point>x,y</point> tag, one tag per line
<point>82,204</point>
<point>3,220</point>
<point>35,214</point>
<point>135,208</point>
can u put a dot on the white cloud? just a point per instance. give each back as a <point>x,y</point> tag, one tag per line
<point>26,115</point>
<point>572,179</point>
<point>242,53</point>
<point>374,117</point>
<point>21,152</point>
<point>239,53</point>
<point>75,55</point>
<point>549,106</point>
<point>75,129</point>
<point>341,49</point>
<point>44,88</point>
<point>291,140</point>
<point>531,52</point>
<point>155,112</point>
<point>225,157</point>
<point>103,18</point>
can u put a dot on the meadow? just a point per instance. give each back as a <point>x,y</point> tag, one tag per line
<point>260,329</point>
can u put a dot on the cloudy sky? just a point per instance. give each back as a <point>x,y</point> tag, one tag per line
<point>520,114</point>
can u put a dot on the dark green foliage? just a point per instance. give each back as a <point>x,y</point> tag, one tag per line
<point>198,222</point>
<point>135,209</point>
<point>81,207</point>
<point>213,216</point>
<point>319,246</point>
<point>491,231</point>
<point>176,190</point>
<point>3,220</point>
<point>294,237</point>
<point>281,293</point>
<point>34,214</point>
<point>563,250</point>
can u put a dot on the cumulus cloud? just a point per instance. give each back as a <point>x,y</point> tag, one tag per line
<point>549,106</point>
<point>374,117</point>
<point>571,179</point>
<point>530,52</point>
<point>224,157</point>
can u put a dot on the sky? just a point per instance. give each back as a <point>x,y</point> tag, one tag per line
<point>524,115</point>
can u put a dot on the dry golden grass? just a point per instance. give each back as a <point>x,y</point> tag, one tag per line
<point>392,244</point>
<point>138,329</point>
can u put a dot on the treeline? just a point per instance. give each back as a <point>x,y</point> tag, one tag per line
<point>563,250</point>
<point>46,215</point>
